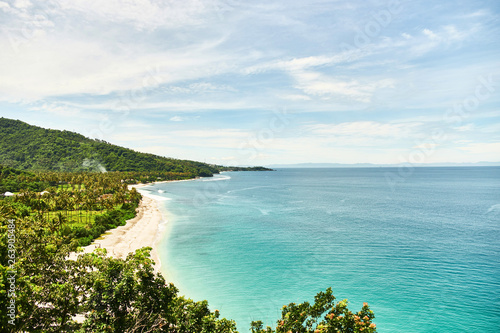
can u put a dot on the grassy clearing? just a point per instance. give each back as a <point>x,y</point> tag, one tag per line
<point>80,217</point>
<point>70,187</point>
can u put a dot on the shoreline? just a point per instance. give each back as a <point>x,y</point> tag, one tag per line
<point>141,231</point>
<point>138,232</point>
<point>144,230</point>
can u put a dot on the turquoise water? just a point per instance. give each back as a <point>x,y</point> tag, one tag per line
<point>423,251</point>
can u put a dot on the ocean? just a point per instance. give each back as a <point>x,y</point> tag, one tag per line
<point>420,245</point>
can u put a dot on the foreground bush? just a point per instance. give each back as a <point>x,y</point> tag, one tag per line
<point>324,316</point>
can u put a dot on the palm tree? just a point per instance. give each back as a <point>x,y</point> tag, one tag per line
<point>63,201</point>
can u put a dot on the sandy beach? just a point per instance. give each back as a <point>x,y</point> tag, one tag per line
<point>141,231</point>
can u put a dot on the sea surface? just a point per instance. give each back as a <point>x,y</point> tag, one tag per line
<point>420,245</point>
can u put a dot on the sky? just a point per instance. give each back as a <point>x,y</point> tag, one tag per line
<point>260,82</point>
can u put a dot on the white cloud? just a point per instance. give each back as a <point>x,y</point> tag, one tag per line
<point>58,109</point>
<point>430,34</point>
<point>364,129</point>
<point>483,148</point>
<point>406,36</point>
<point>198,87</point>
<point>225,158</point>
<point>204,139</point>
<point>477,13</point>
<point>191,105</point>
<point>183,118</point>
<point>177,118</point>
<point>299,64</point>
<point>426,146</point>
<point>53,49</point>
<point>296,97</point>
<point>205,134</point>
<point>4,6</point>
<point>491,128</point>
<point>22,4</point>
<point>453,34</point>
<point>119,104</point>
<point>55,67</point>
<point>145,14</point>
<point>447,35</point>
<point>318,84</point>
<point>465,128</point>
<point>171,60</point>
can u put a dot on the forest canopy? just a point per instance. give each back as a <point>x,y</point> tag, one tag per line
<point>27,147</point>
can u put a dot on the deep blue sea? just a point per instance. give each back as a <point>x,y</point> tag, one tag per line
<point>421,246</point>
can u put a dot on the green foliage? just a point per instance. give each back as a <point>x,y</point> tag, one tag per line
<point>29,147</point>
<point>46,290</point>
<point>84,211</point>
<point>113,295</point>
<point>324,316</point>
<point>12,180</point>
<point>125,293</point>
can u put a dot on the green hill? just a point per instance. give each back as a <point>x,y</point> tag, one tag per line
<point>27,147</point>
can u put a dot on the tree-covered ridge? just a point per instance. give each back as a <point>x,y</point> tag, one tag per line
<point>27,147</point>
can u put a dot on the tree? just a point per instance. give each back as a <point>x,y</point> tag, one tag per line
<point>115,295</point>
<point>324,316</point>
<point>123,294</point>
<point>47,292</point>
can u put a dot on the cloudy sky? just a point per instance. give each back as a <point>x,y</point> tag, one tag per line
<point>260,82</point>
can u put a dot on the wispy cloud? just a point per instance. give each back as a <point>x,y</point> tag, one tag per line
<point>48,68</point>
<point>201,77</point>
<point>299,64</point>
<point>317,84</point>
<point>364,128</point>
<point>145,14</point>
<point>483,148</point>
<point>58,109</point>
<point>177,118</point>
<point>183,118</point>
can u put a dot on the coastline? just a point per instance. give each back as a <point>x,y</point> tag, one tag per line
<point>144,230</point>
<point>141,231</point>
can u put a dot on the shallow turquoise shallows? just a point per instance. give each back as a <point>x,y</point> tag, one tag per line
<point>421,246</point>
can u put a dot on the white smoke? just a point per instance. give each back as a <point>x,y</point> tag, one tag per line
<point>94,165</point>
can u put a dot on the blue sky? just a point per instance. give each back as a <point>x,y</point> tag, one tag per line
<point>260,82</point>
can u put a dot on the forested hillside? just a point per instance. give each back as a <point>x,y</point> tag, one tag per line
<point>27,147</point>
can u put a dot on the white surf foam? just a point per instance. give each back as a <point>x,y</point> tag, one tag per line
<point>494,208</point>
<point>214,179</point>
